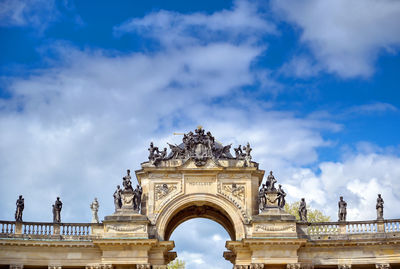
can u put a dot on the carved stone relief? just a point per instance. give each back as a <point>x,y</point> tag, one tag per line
<point>163,189</point>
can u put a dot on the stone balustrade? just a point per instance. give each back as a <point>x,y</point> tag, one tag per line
<point>47,229</point>
<point>350,227</point>
<point>85,230</point>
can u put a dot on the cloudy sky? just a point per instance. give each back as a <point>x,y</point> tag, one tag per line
<point>312,85</point>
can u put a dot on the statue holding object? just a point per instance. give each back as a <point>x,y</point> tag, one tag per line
<point>94,206</point>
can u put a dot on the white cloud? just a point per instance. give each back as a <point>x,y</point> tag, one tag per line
<point>345,37</point>
<point>242,23</point>
<point>36,13</point>
<point>359,178</point>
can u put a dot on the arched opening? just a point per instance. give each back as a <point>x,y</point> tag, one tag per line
<point>207,211</point>
<point>200,243</point>
<point>206,206</point>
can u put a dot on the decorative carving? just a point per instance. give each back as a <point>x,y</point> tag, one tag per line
<point>293,266</point>
<point>162,190</point>
<point>303,210</point>
<point>16,266</point>
<point>237,191</point>
<point>20,207</point>
<point>344,266</point>
<point>57,210</point>
<point>126,228</point>
<point>274,228</point>
<point>269,196</point>
<point>342,209</point>
<point>200,147</point>
<point>94,206</point>
<point>379,207</point>
<point>234,201</point>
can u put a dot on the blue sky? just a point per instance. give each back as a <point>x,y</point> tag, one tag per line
<point>312,85</point>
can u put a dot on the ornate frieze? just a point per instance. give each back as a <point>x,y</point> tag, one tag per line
<point>293,266</point>
<point>162,190</point>
<point>275,227</point>
<point>126,228</point>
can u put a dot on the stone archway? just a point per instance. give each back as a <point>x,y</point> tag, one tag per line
<point>200,205</point>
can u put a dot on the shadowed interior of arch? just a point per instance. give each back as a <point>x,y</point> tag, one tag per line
<point>208,211</point>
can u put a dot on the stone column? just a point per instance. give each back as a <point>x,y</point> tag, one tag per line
<point>382,266</point>
<point>344,266</point>
<point>293,266</point>
<point>16,266</point>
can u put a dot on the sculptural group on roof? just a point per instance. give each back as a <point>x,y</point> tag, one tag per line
<point>200,146</point>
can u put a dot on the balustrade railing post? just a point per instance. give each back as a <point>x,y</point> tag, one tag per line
<point>342,228</point>
<point>380,226</point>
<point>18,227</point>
<point>56,228</point>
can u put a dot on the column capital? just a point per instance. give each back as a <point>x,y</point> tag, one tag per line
<point>293,266</point>
<point>16,266</point>
<point>98,266</point>
<point>382,266</point>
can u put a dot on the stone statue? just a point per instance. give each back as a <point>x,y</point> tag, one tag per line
<point>94,206</point>
<point>281,197</point>
<point>342,209</point>
<point>117,198</point>
<point>239,153</point>
<point>248,150</point>
<point>262,198</point>
<point>271,182</point>
<point>151,150</point>
<point>303,210</point>
<point>137,198</point>
<point>57,210</point>
<point>20,207</point>
<point>379,207</point>
<point>126,181</point>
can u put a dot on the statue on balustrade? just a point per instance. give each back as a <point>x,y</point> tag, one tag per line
<point>379,207</point>
<point>20,207</point>
<point>126,181</point>
<point>281,197</point>
<point>57,210</point>
<point>303,210</point>
<point>271,182</point>
<point>342,209</point>
<point>94,206</point>
<point>137,198</point>
<point>117,198</point>
<point>262,199</point>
